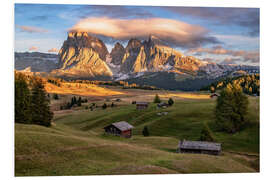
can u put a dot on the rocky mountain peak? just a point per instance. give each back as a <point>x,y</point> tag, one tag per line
<point>134,44</point>
<point>84,40</point>
<point>83,55</point>
<point>117,54</point>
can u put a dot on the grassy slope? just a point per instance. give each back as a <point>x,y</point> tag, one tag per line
<point>75,145</point>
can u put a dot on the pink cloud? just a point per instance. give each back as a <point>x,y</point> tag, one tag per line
<point>32,29</point>
<point>53,50</point>
<point>33,48</point>
<point>172,31</point>
<point>253,56</point>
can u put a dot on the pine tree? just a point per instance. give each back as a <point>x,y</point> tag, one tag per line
<point>104,106</point>
<point>206,134</point>
<point>79,103</point>
<point>41,113</point>
<point>55,96</point>
<point>22,100</point>
<point>157,99</point>
<point>145,131</point>
<point>170,101</point>
<point>231,109</point>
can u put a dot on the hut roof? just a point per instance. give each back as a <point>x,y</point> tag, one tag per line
<point>200,145</point>
<point>142,103</point>
<point>122,125</point>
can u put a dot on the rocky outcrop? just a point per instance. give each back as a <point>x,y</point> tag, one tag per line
<point>117,54</point>
<point>83,55</point>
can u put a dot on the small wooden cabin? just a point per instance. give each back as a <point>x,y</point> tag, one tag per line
<point>141,105</point>
<point>121,128</point>
<point>200,147</point>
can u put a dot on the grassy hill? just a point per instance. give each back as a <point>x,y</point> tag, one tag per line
<point>76,144</point>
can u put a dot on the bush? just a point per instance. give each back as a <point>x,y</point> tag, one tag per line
<point>145,131</point>
<point>206,134</point>
<point>104,106</point>
<point>55,96</point>
<point>157,99</point>
<point>231,109</point>
<point>170,102</point>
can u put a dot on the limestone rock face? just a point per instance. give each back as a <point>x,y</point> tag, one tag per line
<point>83,55</point>
<point>153,55</point>
<point>117,54</point>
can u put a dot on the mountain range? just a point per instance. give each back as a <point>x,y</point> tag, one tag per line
<point>144,62</point>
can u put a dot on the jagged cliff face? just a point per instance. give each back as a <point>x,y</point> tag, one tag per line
<point>152,55</point>
<point>83,55</point>
<point>117,54</point>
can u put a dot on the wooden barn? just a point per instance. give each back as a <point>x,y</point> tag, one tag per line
<point>201,147</point>
<point>121,128</point>
<point>141,105</point>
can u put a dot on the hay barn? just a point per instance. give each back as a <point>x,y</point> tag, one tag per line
<point>141,105</point>
<point>121,128</point>
<point>199,147</point>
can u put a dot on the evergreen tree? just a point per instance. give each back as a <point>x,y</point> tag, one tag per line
<point>41,113</point>
<point>145,131</point>
<point>157,99</point>
<point>55,96</point>
<point>79,103</point>
<point>231,109</point>
<point>104,106</point>
<point>170,101</point>
<point>206,134</point>
<point>22,99</point>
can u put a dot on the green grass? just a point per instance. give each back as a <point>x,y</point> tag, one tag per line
<point>76,144</point>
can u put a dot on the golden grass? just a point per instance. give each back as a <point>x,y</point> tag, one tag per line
<point>184,95</point>
<point>80,89</point>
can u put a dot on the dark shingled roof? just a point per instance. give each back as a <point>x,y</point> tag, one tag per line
<point>122,125</point>
<point>142,103</point>
<point>200,145</point>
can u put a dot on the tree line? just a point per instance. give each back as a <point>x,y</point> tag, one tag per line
<point>250,84</point>
<point>31,101</point>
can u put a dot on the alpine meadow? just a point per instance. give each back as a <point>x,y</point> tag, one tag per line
<point>113,90</point>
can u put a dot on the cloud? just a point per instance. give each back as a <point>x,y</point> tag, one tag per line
<point>251,56</point>
<point>230,60</point>
<point>53,50</point>
<point>248,18</point>
<point>177,33</point>
<point>32,29</point>
<point>33,48</point>
<point>115,11</point>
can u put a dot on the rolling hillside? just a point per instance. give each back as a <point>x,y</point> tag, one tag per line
<point>76,144</point>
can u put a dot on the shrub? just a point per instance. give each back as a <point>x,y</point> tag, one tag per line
<point>145,131</point>
<point>170,102</point>
<point>206,134</point>
<point>104,106</point>
<point>157,99</point>
<point>55,96</point>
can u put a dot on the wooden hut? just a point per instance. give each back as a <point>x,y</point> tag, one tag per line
<point>201,147</point>
<point>141,105</point>
<point>121,128</point>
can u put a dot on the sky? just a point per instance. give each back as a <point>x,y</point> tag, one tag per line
<point>214,34</point>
